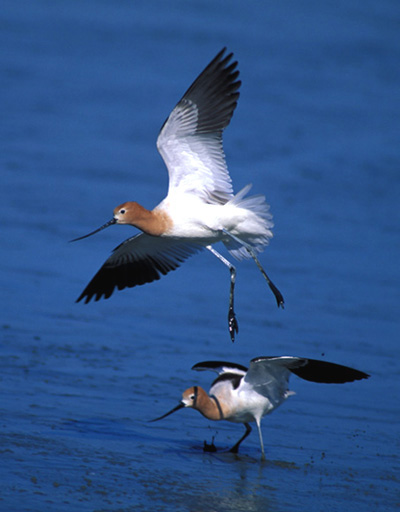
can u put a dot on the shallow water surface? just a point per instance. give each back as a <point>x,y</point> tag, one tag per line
<point>85,88</point>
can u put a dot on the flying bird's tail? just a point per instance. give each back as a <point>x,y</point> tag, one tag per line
<point>258,223</point>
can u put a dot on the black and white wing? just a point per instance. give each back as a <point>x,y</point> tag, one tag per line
<point>262,370</point>
<point>190,140</point>
<point>139,260</point>
<point>220,367</point>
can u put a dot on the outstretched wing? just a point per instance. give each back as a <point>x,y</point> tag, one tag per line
<point>220,367</point>
<point>329,373</point>
<point>190,140</point>
<point>269,376</point>
<point>265,369</point>
<point>139,260</point>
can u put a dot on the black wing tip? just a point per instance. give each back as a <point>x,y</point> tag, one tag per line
<point>224,62</point>
<point>220,73</point>
<point>221,57</point>
<point>359,375</point>
<point>222,52</point>
<point>98,293</point>
<point>315,370</point>
<point>135,273</point>
<point>87,297</point>
<point>82,296</point>
<point>108,279</point>
<point>328,373</point>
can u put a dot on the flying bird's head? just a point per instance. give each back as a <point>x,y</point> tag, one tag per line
<point>125,213</point>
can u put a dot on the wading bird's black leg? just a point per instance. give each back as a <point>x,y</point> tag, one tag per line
<point>235,448</point>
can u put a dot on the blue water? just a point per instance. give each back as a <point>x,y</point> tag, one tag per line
<point>85,87</point>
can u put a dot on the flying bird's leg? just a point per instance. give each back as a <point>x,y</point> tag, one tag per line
<point>235,448</point>
<point>278,296</point>
<point>232,322</point>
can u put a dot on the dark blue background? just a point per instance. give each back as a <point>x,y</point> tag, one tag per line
<point>85,87</point>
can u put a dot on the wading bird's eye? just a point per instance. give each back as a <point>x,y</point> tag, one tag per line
<point>122,211</point>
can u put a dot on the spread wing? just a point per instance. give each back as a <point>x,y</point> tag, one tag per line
<point>190,141</point>
<point>220,367</point>
<point>269,376</point>
<point>329,373</point>
<point>266,371</point>
<point>139,260</point>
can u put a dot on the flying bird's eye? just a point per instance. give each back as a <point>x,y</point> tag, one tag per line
<point>192,397</point>
<point>122,211</point>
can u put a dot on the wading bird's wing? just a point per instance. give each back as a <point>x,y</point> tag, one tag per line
<point>265,372</point>
<point>232,372</point>
<point>220,367</point>
<point>139,260</point>
<point>269,377</point>
<point>190,140</point>
<point>329,373</point>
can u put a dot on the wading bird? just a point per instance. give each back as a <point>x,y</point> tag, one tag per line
<point>242,395</point>
<point>200,208</point>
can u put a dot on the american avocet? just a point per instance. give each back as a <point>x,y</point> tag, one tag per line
<point>200,208</point>
<point>242,395</point>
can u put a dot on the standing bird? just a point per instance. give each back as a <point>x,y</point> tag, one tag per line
<point>200,208</point>
<point>242,395</point>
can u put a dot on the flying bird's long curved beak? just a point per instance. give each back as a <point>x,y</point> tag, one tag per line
<point>109,223</point>
<point>179,406</point>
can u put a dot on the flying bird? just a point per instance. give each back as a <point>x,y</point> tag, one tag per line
<point>200,208</point>
<point>242,395</point>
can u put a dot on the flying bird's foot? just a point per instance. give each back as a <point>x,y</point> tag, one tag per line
<point>278,296</point>
<point>209,448</point>
<point>232,324</point>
